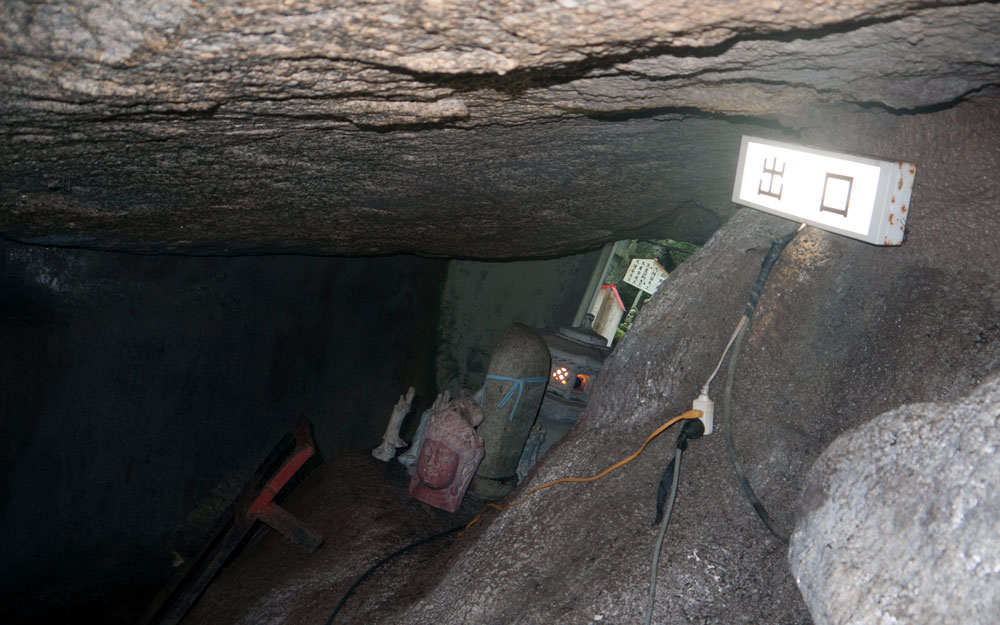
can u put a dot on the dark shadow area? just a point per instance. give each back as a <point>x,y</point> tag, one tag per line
<point>140,393</point>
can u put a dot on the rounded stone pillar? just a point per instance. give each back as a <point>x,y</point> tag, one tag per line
<point>515,385</point>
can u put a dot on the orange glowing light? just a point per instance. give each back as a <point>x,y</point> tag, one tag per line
<point>560,375</point>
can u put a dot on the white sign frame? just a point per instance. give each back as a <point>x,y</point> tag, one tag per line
<point>856,196</point>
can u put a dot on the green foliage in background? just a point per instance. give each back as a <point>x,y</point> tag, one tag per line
<point>667,252</point>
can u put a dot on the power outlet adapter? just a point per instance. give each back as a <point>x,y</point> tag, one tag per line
<point>707,408</point>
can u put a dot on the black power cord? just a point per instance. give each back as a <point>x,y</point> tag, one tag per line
<point>384,561</point>
<point>691,430</point>
<point>765,269</point>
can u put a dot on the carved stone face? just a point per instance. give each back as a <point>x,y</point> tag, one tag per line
<point>449,455</point>
<point>437,465</point>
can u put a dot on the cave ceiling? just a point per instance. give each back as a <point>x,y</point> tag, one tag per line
<point>446,128</point>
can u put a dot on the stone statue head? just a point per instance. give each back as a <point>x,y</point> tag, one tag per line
<point>437,464</point>
<point>450,453</point>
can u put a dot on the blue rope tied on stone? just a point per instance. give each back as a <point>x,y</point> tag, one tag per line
<point>517,386</point>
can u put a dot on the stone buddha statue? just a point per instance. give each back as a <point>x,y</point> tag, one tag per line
<point>450,453</point>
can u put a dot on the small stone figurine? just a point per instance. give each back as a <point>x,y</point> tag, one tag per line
<point>409,457</point>
<point>391,440</point>
<point>449,455</point>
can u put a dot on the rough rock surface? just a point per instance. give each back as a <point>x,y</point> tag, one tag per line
<point>389,63</point>
<point>492,192</point>
<point>897,521</point>
<point>296,126</point>
<point>363,509</point>
<point>833,345</point>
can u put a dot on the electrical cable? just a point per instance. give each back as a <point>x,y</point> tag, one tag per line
<point>727,422</point>
<point>777,247</point>
<point>690,431</point>
<point>689,415</point>
<point>722,358</point>
<point>727,427</point>
<point>382,562</point>
<point>663,531</point>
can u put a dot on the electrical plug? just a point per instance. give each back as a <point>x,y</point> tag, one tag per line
<point>707,408</point>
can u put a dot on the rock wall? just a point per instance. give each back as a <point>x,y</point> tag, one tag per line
<point>355,127</point>
<point>489,193</point>
<point>507,131</point>
<point>844,331</point>
<point>897,520</point>
<point>390,64</point>
<point>482,300</point>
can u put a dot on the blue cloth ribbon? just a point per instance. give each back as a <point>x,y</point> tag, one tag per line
<point>517,386</point>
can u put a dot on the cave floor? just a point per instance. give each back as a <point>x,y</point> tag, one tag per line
<point>362,508</point>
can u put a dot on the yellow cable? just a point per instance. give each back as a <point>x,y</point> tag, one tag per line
<point>690,414</point>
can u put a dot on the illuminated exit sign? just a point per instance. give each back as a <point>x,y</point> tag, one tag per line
<point>851,195</point>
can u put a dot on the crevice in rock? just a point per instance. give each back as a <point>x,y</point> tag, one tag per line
<point>987,89</point>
